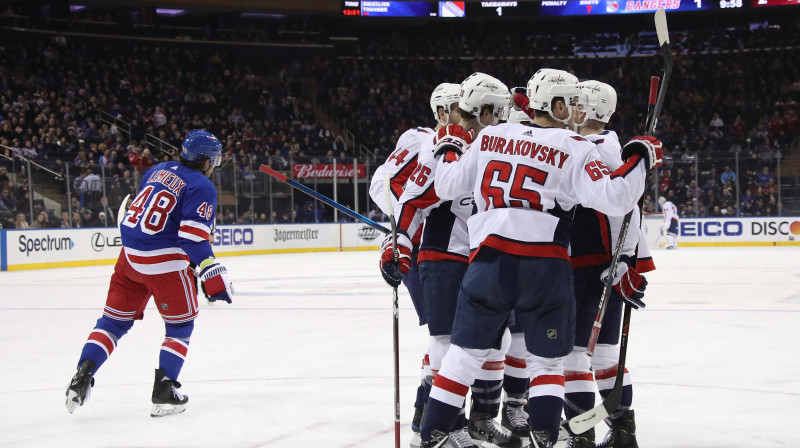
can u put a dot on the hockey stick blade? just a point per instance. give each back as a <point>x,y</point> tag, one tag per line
<point>123,207</point>
<point>661,27</point>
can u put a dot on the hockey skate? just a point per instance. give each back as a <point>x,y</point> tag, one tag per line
<point>438,439</point>
<point>416,424</point>
<point>484,428</point>
<point>166,398</point>
<point>585,440</point>
<point>622,435</point>
<point>462,439</point>
<point>515,419</point>
<point>80,387</point>
<point>541,439</point>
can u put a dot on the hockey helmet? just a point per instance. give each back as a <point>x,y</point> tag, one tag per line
<point>443,96</point>
<point>601,100</point>
<point>198,144</point>
<point>480,89</point>
<point>547,84</point>
<point>662,200</point>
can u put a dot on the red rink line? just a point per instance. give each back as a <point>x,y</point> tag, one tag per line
<point>291,434</point>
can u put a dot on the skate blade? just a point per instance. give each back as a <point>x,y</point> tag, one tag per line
<point>72,401</point>
<point>163,410</point>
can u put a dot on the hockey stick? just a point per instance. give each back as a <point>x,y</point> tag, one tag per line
<point>396,313</point>
<point>587,420</point>
<point>612,269</point>
<point>323,198</point>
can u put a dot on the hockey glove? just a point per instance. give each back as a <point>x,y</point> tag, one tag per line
<point>524,104</point>
<point>214,281</point>
<point>629,284</point>
<point>392,270</point>
<point>451,140</point>
<point>649,148</point>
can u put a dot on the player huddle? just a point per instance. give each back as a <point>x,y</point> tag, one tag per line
<point>504,232</point>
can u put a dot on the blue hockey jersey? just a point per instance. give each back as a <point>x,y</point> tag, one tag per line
<point>169,222</point>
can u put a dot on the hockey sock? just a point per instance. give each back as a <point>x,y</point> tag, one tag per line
<point>605,382</point>
<point>424,389</point>
<point>174,348</point>
<point>670,240</point>
<point>546,394</point>
<point>103,340</point>
<point>445,404</point>
<point>578,392</point>
<point>487,389</point>
<point>515,378</point>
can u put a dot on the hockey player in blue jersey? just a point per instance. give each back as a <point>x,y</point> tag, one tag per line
<point>166,227</point>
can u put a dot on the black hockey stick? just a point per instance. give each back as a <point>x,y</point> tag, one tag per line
<point>589,419</point>
<point>396,315</point>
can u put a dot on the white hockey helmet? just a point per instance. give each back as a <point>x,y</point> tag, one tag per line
<point>601,100</point>
<point>518,116</point>
<point>443,96</point>
<point>662,200</point>
<point>547,84</point>
<point>480,89</point>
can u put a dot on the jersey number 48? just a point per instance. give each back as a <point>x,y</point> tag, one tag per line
<point>152,212</point>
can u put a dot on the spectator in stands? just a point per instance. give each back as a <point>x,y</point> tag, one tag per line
<point>42,221</point>
<point>765,176</point>
<point>7,201</point>
<point>3,176</point>
<point>65,222</point>
<point>728,176</point>
<point>110,214</point>
<point>88,219</point>
<point>770,188</point>
<point>20,222</point>
<point>76,220</point>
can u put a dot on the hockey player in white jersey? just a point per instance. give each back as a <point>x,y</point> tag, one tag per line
<point>593,238</point>
<point>443,258</point>
<point>526,181</point>
<point>670,226</point>
<point>400,164</point>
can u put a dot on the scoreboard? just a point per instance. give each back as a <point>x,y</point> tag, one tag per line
<point>516,8</point>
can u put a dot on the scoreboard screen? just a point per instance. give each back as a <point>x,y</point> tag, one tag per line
<point>596,7</point>
<point>375,8</point>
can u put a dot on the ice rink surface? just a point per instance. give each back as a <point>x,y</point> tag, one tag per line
<point>303,357</point>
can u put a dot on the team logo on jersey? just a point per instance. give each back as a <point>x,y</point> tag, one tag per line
<point>164,306</point>
<point>552,333</point>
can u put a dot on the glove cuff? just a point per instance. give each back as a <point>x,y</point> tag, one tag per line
<point>207,262</point>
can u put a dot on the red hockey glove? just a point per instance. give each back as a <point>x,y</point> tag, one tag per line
<point>524,104</point>
<point>392,270</point>
<point>647,147</point>
<point>451,138</point>
<point>214,281</point>
<point>629,284</point>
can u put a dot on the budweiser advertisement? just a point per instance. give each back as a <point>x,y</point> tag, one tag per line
<point>325,170</point>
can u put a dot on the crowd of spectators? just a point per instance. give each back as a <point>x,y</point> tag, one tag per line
<point>747,108</point>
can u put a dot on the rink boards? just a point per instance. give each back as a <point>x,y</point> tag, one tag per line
<point>54,248</point>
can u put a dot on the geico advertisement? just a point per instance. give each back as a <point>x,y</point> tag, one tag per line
<point>52,245</point>
<point>739,229</point>
<point>269,237</point>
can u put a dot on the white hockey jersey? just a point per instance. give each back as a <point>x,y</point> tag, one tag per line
<point>670,213</point>
<point>594,234</point>
<point>400,164</point>
<point>444,236</point>
<point>527,181</point>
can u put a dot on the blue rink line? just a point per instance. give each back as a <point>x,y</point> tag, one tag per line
<point>232,308</point>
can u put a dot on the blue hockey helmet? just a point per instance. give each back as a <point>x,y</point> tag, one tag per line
<point>199,143</point>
